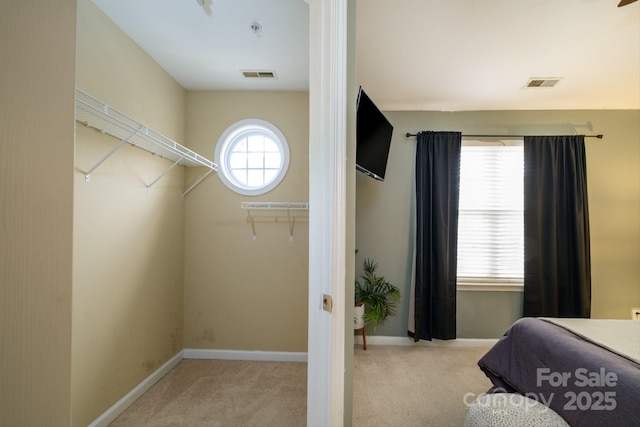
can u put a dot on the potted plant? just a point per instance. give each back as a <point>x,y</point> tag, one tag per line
<point>375,293</point>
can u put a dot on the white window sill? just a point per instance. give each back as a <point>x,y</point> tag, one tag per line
<point>491,287</point>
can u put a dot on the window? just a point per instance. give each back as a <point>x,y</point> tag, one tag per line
<point>491,219</point>
<point>252,156</point>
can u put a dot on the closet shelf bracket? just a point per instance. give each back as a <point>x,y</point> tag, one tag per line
<point>197,181</point>
<point>87,175</point>
<point>176,163</point>
<point>98,115</point>
<point>275,211</point>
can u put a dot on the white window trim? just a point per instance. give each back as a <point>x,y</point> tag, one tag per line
<point>476,284</point>
<point>223,144</point>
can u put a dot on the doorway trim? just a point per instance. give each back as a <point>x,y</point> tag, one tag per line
<point>327,211</point>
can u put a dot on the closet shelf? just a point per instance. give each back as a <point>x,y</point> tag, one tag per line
<point>275,211</point>
<point>96,114</point>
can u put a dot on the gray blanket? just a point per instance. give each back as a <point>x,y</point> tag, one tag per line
<point>586,384</point>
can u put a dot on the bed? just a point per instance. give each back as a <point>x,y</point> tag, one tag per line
<point>586,370</point>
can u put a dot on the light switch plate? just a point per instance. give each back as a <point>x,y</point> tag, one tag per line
<point>635,313</point>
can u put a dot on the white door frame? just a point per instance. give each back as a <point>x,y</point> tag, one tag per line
<point>327,211</point>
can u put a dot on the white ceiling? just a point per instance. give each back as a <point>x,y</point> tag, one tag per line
<point>411,54</point>
<point>206,48</point>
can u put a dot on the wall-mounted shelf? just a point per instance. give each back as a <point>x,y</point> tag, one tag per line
<point>96,114</point>
<point>275,211</point>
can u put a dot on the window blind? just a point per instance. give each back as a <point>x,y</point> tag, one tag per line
<point>490,222</point>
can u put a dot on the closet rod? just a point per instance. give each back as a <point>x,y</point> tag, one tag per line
<point>599,136</point>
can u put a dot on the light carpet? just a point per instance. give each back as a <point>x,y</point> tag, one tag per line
<point>223,393</point>
<point>393,386</point>
<point>415,385</point>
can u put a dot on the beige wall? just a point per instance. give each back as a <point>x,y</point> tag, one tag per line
<point>242,294</point>
<point>384,224</point>
<point>36,202</point>
<point>128,243</point>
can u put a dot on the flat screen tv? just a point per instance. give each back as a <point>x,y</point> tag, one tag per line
<point>373,138</point>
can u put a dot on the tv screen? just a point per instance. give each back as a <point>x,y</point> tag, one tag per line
<point>373,138</point>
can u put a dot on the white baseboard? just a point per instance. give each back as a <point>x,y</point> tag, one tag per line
<point>119,407</point>
<point>407,341</point>
<point>263,356</point>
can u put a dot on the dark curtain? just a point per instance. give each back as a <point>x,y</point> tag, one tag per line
<point>437,190</point>
<point>557,266</point>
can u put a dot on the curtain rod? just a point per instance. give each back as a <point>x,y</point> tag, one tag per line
<point>599,136</point>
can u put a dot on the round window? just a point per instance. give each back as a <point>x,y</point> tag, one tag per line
<point>252,157</point>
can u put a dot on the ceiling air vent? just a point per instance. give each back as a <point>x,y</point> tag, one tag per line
<point>543,82</point>
<point>259,74</point>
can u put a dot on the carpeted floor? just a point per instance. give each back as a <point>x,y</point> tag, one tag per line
<point>223,393</point>
<point>415,385</point>
<point>393,386</point>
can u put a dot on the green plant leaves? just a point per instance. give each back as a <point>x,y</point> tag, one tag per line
<point>378,295</point>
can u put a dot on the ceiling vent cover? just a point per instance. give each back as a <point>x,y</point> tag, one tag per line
<point>543,82</point>
<point>253,74</point>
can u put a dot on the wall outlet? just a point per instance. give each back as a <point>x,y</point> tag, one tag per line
<point>635,313</point>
